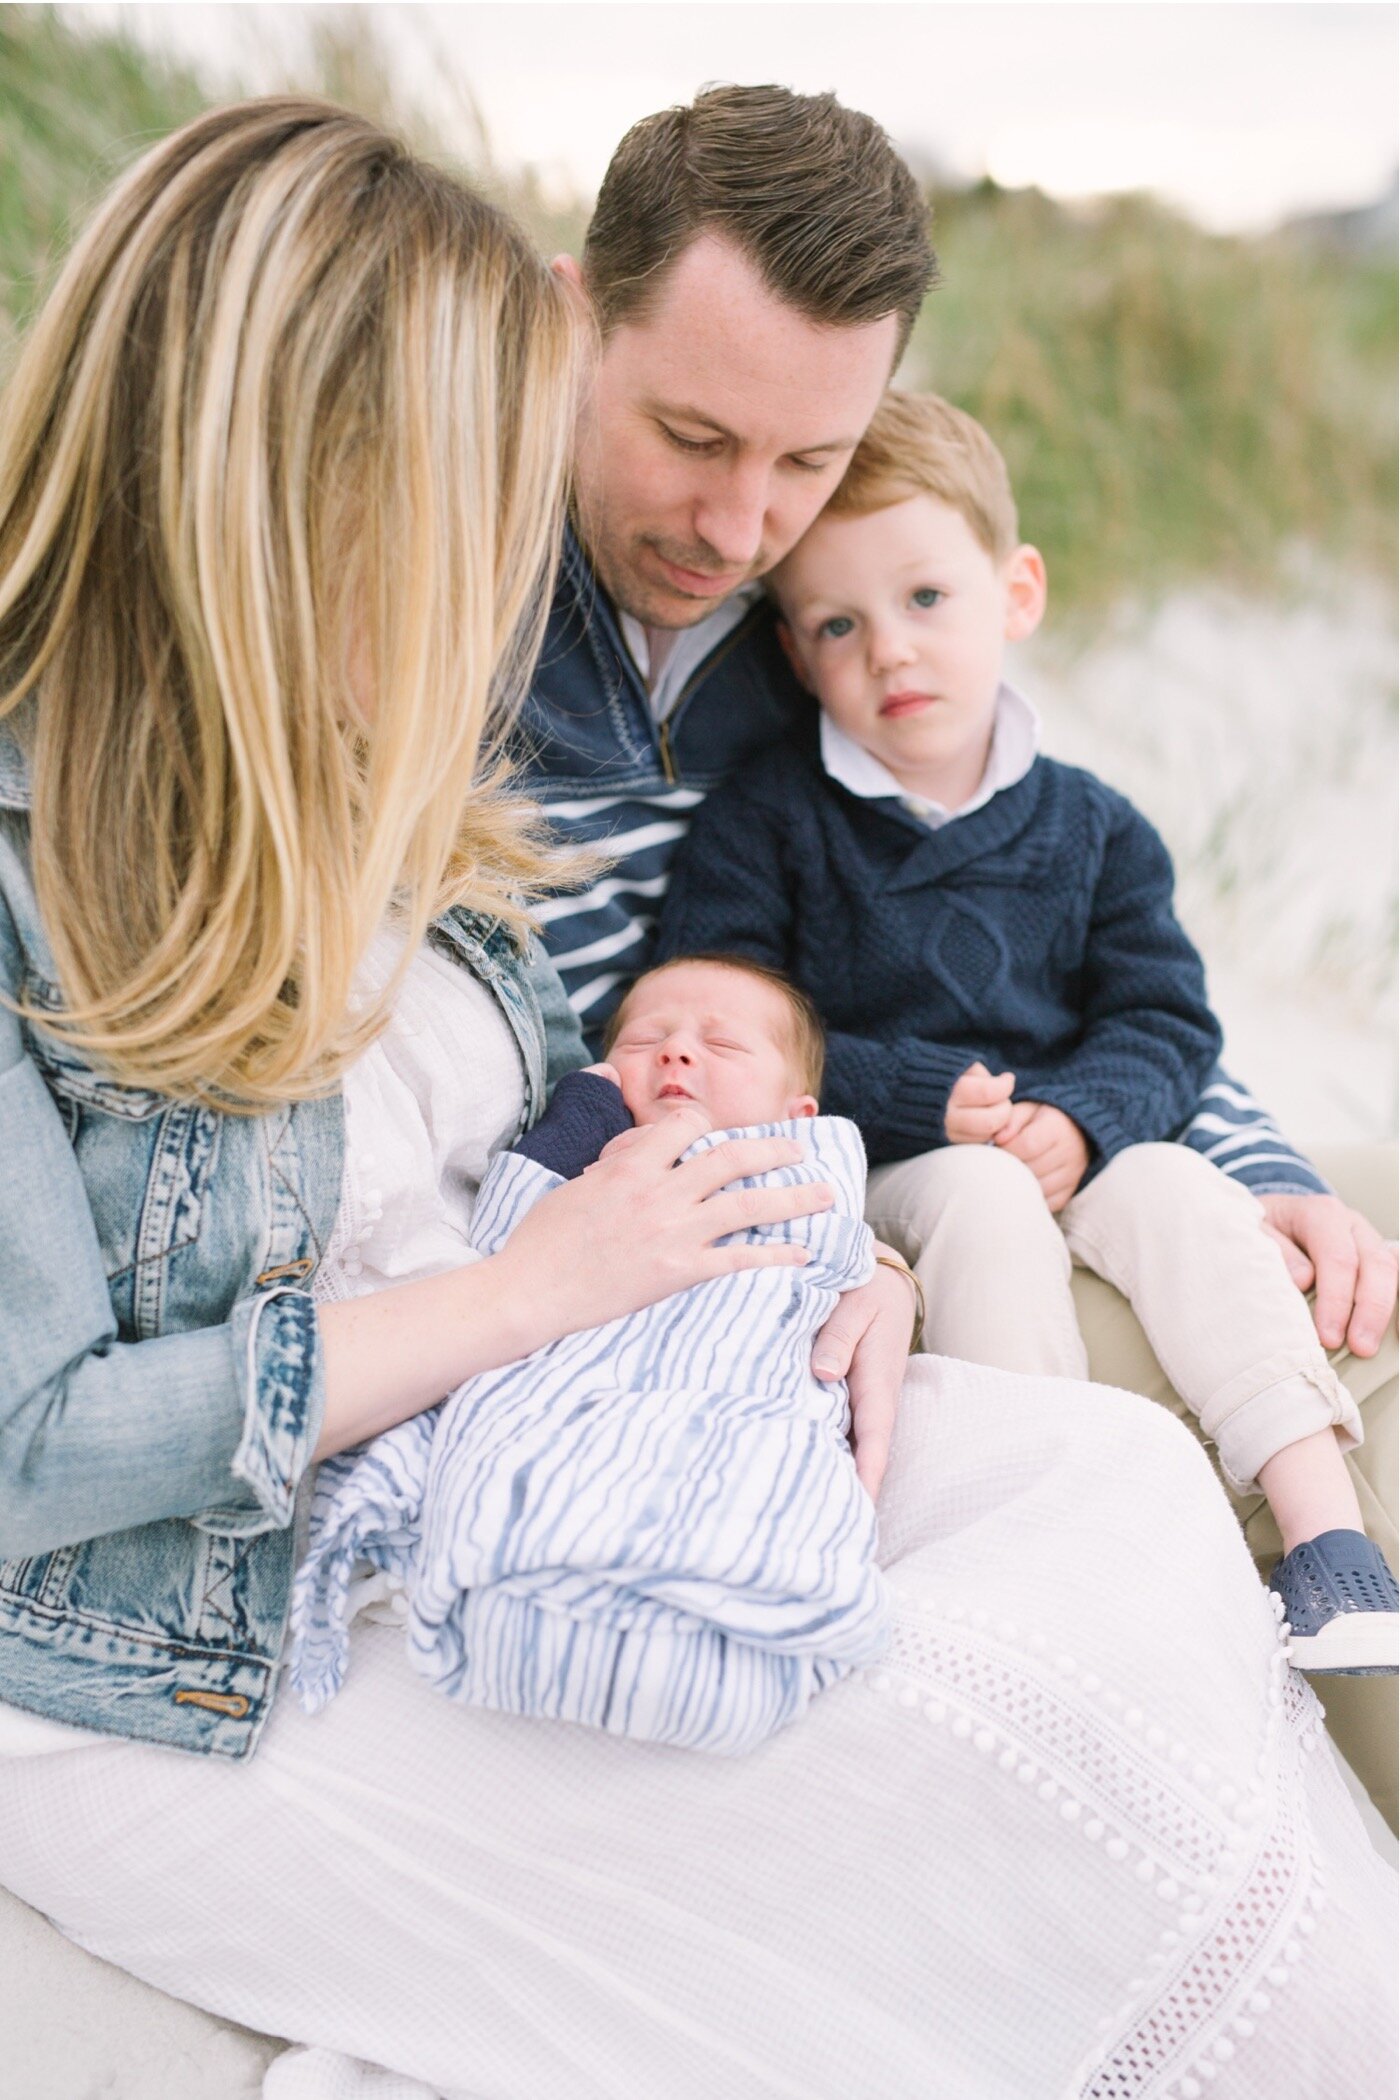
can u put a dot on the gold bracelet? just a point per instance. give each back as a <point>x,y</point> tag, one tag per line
<point>902,1268</point>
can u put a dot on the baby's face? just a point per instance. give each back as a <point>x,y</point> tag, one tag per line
<point>717,1037</point>
<point>897,622</point>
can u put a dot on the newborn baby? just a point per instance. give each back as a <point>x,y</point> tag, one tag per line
<point>653,1527</point>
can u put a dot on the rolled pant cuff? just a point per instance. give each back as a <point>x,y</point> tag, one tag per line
<point>1281,1413</point>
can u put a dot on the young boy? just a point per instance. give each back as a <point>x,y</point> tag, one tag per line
<point>653,1527</point>
<point>1014,1015</point>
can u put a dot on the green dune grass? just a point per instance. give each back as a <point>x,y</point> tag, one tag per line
<point>73,112</point>
<point>1172,405</point>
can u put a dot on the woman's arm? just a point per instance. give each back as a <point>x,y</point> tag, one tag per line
<point>218,1424</point>
<point>635,1228</point>
<point>98,1434</point>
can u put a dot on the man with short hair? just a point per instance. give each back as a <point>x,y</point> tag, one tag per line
<point>756,262</point>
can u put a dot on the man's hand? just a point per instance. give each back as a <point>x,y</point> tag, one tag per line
<point>866,1341</point>
<point>978,1106</point>
<point>1052,1145</point>
<point>1340,1251</point>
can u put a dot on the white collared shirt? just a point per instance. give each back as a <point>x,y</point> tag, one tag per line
<point>1015,741</point>
<point>689,646</point>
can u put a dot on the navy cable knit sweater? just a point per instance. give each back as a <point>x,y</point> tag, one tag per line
<point>1036,933</point>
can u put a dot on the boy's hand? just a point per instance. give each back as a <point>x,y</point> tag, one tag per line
<point>979,1106</point>
<point>1053,1146</point>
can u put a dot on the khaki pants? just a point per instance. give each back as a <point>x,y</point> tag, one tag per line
<point>1216,1331</point>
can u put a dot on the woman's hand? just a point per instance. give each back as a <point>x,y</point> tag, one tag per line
<point>637,1226</point>
<point>631,1230</point>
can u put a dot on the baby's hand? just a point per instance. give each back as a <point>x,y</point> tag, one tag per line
<point>624,1137</point>
<point>1052,1145</point>
<point>979,1106</point>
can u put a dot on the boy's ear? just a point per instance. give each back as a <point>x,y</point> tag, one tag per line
<point>570,274</point>
<point>790,651</point>
<point>1025,593</point>
<point>801,1105</point>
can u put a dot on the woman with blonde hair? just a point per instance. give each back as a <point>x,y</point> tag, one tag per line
<point>281,472</point>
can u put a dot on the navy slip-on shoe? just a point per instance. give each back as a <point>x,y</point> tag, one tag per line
<point>1341,1606</point>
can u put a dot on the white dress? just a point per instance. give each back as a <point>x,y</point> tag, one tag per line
<point>1080,1836</point>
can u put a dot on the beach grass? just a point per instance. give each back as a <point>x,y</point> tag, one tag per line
<point>1172,405</point>
<point>73,112</point>
<point>1202,435</point>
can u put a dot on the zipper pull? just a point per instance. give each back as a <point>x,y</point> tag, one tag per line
<point>668,764</point>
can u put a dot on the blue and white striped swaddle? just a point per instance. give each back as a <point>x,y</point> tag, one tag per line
<point>654,1526</point>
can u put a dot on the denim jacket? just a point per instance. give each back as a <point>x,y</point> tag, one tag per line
<point>161,1385</point>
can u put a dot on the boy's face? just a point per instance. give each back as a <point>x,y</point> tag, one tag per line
<point>897,622</point>
<point>717,1037</point>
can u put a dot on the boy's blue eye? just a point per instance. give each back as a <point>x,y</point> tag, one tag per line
<point>833,630</point>
<point>927,597</point>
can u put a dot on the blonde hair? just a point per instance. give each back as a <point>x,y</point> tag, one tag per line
<point>291,430</point>
<point>806,1038</point>
<point>920,445</point>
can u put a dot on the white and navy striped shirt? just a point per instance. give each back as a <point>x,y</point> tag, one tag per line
<point>598,938</point>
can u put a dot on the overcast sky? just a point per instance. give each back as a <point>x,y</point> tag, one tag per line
<point>1239,112</point>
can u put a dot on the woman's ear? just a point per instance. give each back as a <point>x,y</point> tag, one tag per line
<point>794,657</point>
<point>1026,587</point>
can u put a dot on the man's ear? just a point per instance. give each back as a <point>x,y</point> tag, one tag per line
<point>1025,593</point>
<point>790,651</point>
<point>801,1105</point>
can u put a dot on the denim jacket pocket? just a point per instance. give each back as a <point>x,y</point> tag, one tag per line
<point>71,1081</point>
<point>178,1142</point>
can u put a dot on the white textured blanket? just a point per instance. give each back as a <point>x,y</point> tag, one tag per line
<point>654,1526</point>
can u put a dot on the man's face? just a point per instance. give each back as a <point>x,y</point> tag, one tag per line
<point>718,424</point>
